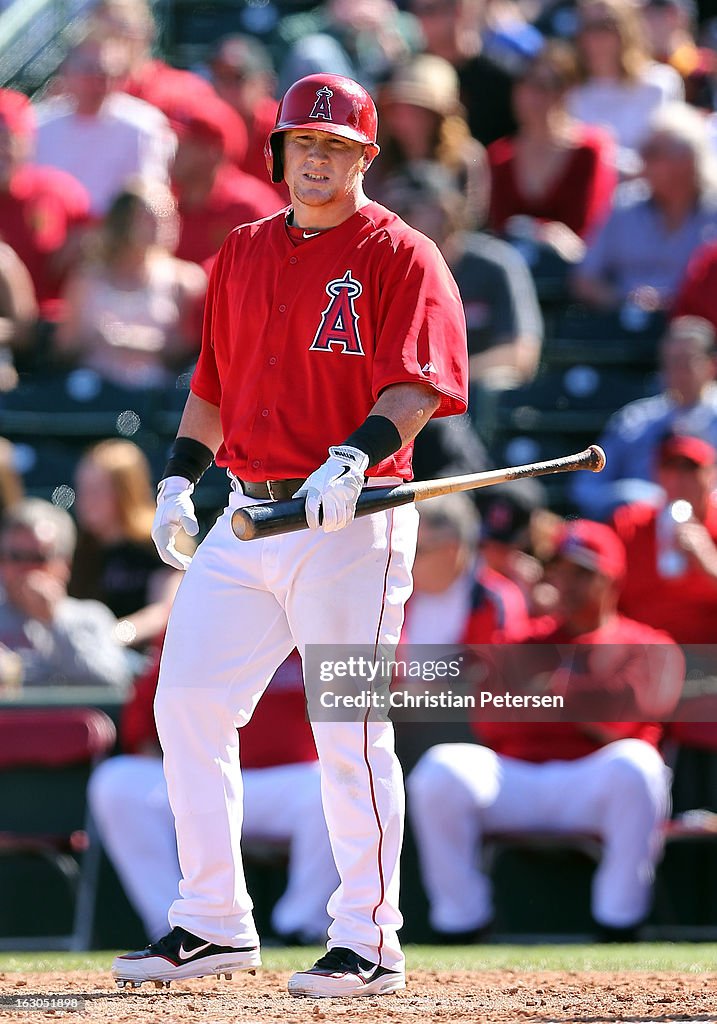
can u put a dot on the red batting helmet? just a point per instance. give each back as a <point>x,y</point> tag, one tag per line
<point>326,103</point>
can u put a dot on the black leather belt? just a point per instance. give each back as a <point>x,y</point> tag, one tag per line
<point>271,490</point>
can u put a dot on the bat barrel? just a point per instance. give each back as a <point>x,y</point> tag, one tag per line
<point>599,458</point>
<point>274,517</point>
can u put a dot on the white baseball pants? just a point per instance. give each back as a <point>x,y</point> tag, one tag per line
<point>459,791</point>
<point>239,611</point>
<point>129,802</point>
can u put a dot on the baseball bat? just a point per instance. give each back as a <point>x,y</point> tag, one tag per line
<point>275,517</point>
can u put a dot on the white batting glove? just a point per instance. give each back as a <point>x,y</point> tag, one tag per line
<point>333,489</point>
<point>175,511</point>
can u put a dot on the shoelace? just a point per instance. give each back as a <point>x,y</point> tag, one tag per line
<point>340,958</point>
<point>168,943</point>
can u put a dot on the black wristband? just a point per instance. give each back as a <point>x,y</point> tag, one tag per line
<point>188,458</point>
<point>378,436</point>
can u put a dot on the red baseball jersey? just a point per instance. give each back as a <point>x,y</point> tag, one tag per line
<point>684,606</point>
<point>303,330</point>
<point>636,651</point>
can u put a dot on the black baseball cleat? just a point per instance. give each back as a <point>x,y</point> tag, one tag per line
<point>181,955</point>
<point>341,973</point>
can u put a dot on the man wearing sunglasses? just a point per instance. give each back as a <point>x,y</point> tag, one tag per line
<point>57,638</point>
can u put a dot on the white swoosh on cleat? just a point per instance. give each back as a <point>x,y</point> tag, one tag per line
<point>184,954</point>
<point>366,975</point>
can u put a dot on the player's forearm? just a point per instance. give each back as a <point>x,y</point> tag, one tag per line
<point>200,421</point>
<point>191,455</point>
<point>408,406</point>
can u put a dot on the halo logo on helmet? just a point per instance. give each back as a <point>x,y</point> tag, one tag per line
<point>338,105</point>
<point>322,106</point>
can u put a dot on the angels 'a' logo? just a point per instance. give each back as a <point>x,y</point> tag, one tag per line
<point>322,106</point>
<point>339,321</point>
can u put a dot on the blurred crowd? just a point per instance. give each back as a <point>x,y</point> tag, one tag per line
<point>575,139</point>
<point>561,155</point>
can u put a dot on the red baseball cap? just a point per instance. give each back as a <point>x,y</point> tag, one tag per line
<point>209,120</point>
<point>594,546</point>
<point>16,113</point>
<point>694,449</point>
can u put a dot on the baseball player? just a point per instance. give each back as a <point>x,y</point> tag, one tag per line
<point>600,778</point>
<point>330,324</point>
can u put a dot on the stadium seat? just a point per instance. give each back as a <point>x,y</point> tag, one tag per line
<point>562,411</point>
<point>47,469</point>
<point>191,28</point>
<point>77,405</point>
<point>576,398</point>
<point>685,894</point>
<point>550,272</point>
<point>518,449</point>
<point>580,335</point>
<point>44,754</point>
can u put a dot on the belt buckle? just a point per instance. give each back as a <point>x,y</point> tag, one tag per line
<point>271,493</point>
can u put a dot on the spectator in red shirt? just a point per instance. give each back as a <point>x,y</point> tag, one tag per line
<point>282,803</point>
<point>213,195</point>
<point>41,209</point>
<point>671,580</point>
<point>554,171</point>
<point>600,778</point>
<point>243,76</point>
<point>698,293</point>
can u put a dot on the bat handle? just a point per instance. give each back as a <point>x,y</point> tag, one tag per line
<point>275,517</point>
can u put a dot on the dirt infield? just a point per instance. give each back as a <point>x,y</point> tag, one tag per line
<point>456,997</point>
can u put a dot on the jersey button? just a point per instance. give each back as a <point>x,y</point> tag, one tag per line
<point>256,464</point>
<point>265,412</point>
<point>282,308</point>
<point>293,260</point>
<point>273,361</point>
